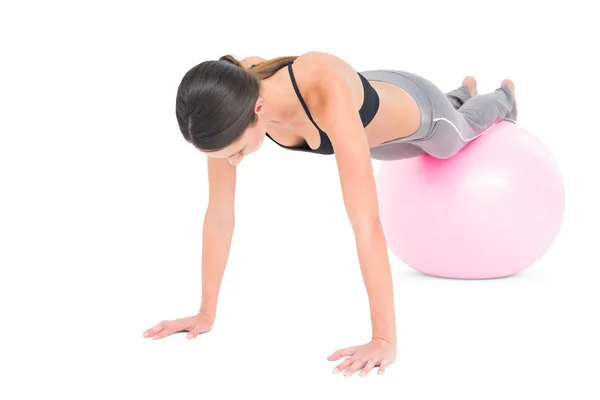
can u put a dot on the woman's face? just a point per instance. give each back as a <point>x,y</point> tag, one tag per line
<point>249,142</point>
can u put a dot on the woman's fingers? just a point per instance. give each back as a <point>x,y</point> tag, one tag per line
<point>163,329</point>
<point>343,365</point>
<point>194,325</point>
<point>155,329</point>
<point>164,333</point>
<point>356,365</point>
<point>370,365</point>
<point>347,352</point>
<point>198,329</point>
<point>382,366</point>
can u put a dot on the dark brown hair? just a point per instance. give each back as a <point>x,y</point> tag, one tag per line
<point>216,98</point>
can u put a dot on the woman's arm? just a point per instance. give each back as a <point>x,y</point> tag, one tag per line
<point>219,222</point>
<point>334,109</point>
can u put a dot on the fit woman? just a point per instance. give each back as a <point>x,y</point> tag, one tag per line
<point>318,103</point>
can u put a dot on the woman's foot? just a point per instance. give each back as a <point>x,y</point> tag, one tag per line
<point>471,85</point>
<point>512,115</point>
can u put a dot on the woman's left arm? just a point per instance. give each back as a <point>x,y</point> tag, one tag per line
<point>336,113</point>
<point>342,123</point>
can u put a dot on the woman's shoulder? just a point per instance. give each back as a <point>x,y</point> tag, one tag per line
<point>320,60</point>
<point>313,61</point>
<point>322,66</point>
<point>319,72</point>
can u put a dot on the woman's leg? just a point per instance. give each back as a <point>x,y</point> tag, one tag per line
<point>482,111</point>
<point>445,129</point>
<point>461,94</point>
<point>453,129</point>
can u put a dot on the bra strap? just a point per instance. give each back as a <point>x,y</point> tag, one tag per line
<point>300,96</point>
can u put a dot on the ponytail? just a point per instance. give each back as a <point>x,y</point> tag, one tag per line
<point>265,69</point>
<point>231,59</point>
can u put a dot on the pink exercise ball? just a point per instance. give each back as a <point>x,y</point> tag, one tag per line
<point>490,211</point>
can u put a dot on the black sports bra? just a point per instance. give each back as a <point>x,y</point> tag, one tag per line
<point>367,112</point>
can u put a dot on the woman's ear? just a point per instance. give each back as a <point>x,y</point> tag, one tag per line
<point>259,106</point>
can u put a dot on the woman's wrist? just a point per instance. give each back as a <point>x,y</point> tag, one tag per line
<point>390,340</point>
<point>208,309</point>
<point>384,326</point>
<point>377,276</point>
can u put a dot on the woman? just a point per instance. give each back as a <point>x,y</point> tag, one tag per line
<point>318,103</point>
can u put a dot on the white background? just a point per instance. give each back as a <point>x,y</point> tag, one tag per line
<point>102,203</point>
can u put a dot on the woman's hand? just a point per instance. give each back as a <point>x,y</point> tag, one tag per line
<point>378,352</point>
<point>195,325</point>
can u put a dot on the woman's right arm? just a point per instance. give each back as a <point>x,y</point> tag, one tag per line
<point>217,233</point>
<point>216,240</point>
<point>219,222</point>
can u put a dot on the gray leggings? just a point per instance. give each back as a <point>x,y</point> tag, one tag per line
<point>449,121</point>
